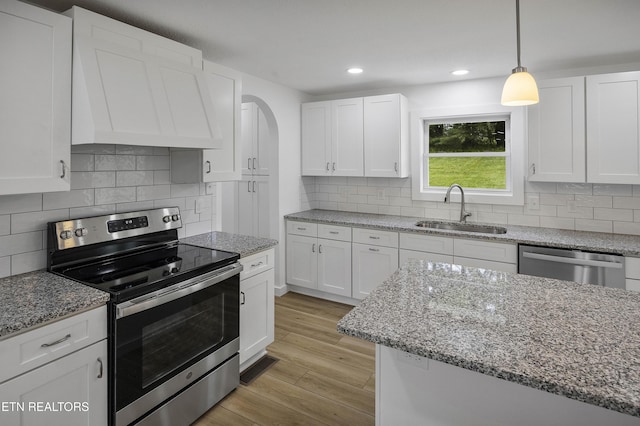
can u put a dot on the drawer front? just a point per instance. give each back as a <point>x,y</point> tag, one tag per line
<point>428,243</point>
<point>375,237</point>
<point>257,263</point>
<point>632,267</point>
<point>486,264</point>
<point>34,348</point>
<point>477,249</point>
<point>333,232</point>
<point>302,228</point>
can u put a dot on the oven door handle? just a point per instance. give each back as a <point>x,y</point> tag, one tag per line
<point>176,291</point>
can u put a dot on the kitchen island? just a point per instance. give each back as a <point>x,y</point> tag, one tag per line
<point>467,346</point>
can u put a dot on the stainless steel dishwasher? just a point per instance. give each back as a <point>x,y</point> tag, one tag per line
<point>572,265</point>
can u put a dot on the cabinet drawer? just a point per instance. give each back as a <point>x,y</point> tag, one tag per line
<point>632,267</point>
<point>486,264</point>
<point>498,252</point>
<point>257,263</point>
<point>302,228</point>
<point>37,347</point>
<point>428,243</point>
<point>375,237</point>
<point>333,232</point>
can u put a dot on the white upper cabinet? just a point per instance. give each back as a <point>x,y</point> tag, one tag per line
<point>557,132</point>
<point>35,100</point>
<point>332,138</point>
<point>255,141</point>
<point>133,87</point>
<point>386,136</point>
<point>613,120</point>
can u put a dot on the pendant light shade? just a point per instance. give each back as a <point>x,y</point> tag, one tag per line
<point>520,88</point>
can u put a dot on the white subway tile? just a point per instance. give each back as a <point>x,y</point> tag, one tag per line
<point>134,150</point>
<point>488,217</point>
<point>115,195</point>
<point>337,198</point>
<point>327,205</point>
<point>5,266</point>
<point>81,212</point>
<point>594,225</point>
<point>557,222</point>
<point>555,199</point>
<point>373,200</point>
<point>85,180</point>
<point>523,220</point>
<point>28,262</point>
<point>347,207</point>
<point>400,202</point>
<point>35,221</point>
<point>544,211</point>
<point>20,243</point>
<point>323,196</point>
<point>626,202</point>
<point>189,216</point>
<point>367,190</point>
<point>612,190</point>
<point>367,208</point>
<point>575,188</point>
<point>5,224</point>
<point>159,150</point>
<point>134,178</point>
<point>115,162</point>
<point>622,215</point>
<point>413,211</point>
<point>20,203</point>
<point>163,177</point>
<point>357,181</point>
<point>105,162</point>
<point>357,199</point>
<point>507,209</point>
<point>399,183</point>
<point>152,162</point>
<point>134,206</point>
<point>93,149</point>
<point>541,187</point>
<point>154,192</point>
<point>82,163</point>
<point>593,201</point>
<point>632,228</point>
<point>185,190</point>
<point>390,210</point>
<point>328,188</point>
<point>198,228</point>
<point>580,212</point>
<point>68,199</point>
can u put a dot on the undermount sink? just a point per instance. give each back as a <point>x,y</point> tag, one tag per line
<point>465,227</point>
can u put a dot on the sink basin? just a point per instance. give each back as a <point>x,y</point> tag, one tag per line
<point>464,227</point>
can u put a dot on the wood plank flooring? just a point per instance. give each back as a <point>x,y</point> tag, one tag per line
<point>321,378</point>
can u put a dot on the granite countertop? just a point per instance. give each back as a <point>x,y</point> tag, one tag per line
<point>580,341</point>
<point>36,298</point>
<point>243,244</point>
<point>627,245</point>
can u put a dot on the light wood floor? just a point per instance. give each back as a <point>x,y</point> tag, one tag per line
<point>321,378</point>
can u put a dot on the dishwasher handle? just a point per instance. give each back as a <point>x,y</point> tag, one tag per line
<point>573,261</point>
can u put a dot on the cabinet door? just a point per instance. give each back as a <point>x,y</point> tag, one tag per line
<point>302,261</point>
<point>557,132</point>
<point>613,120</point>
<point>334,267</point>
<point>386,144</point>
<point>79,378</point>
<point>347,149</point>
<point>256,314</point>
<point>35,105</point>
<point>261,146</point>
<point>260,189</point>
<point>316,138</point>
<point>223,164</point>
<point>372,265</point>
<point>246,208</point>
<point>249,134</point>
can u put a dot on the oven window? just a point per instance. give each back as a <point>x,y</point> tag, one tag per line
<point>170,342</point>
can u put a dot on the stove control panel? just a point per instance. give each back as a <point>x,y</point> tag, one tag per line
<point>127,224</point>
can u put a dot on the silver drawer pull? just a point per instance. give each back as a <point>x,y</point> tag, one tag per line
<point>101,370</point>
<point>57,342</point>
<point>334,232</point>
<point>301,229</point>
<point>372,249</point>
<point>374,238</point>
<point>244,299</point>
<point>255,265</point>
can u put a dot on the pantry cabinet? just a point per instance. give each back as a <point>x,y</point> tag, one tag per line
<point>255,141</point>
<point>35,101</point>
<point>613,128</point>
<point>332,138</point>
<point>253,206</point>
<point>257,281</point>
<point>557,147</point>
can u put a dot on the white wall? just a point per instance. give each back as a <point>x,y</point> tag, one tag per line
<point>585,207</point>
<point>285,106</point>
<point>104,179</point>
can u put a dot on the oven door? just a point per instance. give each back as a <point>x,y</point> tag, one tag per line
<point>166,340</point>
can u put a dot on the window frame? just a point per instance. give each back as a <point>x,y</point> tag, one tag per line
<point>514,152</point>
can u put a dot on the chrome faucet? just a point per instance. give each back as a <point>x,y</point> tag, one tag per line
<point>447,198</point>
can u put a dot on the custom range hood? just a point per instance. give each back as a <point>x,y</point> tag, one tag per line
<point>134,87</point>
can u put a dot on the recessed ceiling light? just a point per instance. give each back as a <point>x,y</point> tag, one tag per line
<point>460,72</point>
<point>355,70</point>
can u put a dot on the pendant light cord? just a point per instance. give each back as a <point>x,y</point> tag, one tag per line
<point>518,31</point>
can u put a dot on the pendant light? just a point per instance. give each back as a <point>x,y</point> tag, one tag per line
<point>520,88</point>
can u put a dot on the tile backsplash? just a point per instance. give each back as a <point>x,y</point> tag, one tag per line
<point>104,179</point>
<point>582,207</point>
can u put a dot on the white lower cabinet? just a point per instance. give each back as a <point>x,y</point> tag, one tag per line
<point>256,306</point>
<point>334,267</point>
<point>372,265</point>
<point>57,374</point>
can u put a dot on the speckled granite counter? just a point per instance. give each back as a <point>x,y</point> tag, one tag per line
<point>33,299</point>
<point>580,341</point>
<point>627,245</point>
<point>243,244</point>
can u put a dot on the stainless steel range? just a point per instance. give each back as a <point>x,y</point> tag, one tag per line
<point>173,315</point>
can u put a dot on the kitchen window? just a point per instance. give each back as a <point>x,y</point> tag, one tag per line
<point>479,148</point>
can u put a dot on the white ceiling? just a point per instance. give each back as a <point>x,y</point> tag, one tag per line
<point>308,44</point>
